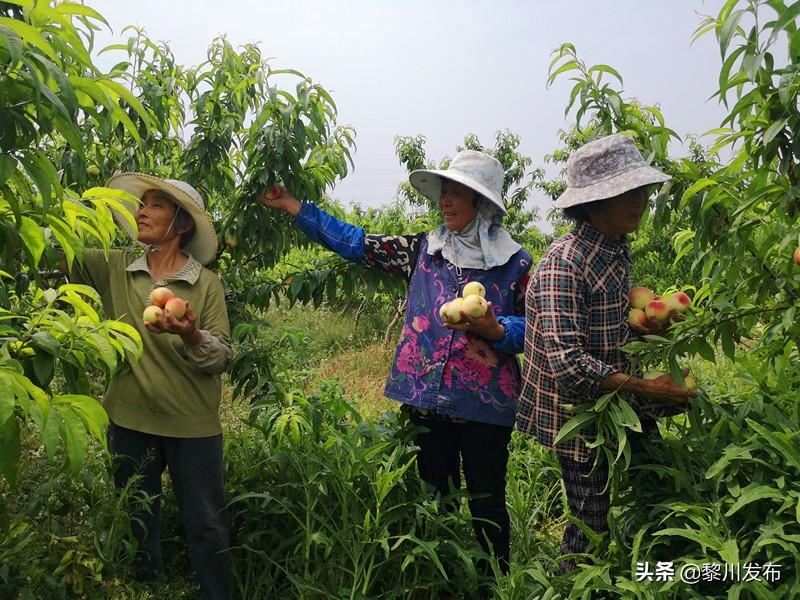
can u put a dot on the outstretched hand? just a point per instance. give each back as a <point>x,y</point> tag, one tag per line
<point>278,198</point>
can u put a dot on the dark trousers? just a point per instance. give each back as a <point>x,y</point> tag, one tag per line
<point>586,501</point>
<point>482,450</point>
<point>195,467</point>
<point>585,495</point>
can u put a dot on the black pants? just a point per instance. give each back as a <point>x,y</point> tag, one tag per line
<point>195,466</point>
<point>482,449</point>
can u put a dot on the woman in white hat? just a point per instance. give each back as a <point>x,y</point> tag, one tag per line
<point>164,408</point>
<point>460,382</point>
<point>576,314</point>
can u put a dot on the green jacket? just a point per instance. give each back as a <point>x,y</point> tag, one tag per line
<point>172,390</point>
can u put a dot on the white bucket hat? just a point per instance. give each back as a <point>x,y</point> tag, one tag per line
<point>203,245</point>
<point>606,168</point>
<point>476,170</point>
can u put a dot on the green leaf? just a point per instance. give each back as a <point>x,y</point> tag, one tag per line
<point>10,449</point>
<point>788,18</point>
<point>572,427</point>
<point>30,35</point>
<point>693,189</point>
<point>51,433</point>
<point>7,398</point>
<point>774,130</point>
<point>753,493</point>
<point>8,166</point>
<point>43,366</point>
<point>44,340</point>
<point>74,438</point>
<point>13,42</point>
<point>32,238</point>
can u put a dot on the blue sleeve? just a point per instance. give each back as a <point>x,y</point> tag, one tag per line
<point>340,237</point>
<point>514,339</point>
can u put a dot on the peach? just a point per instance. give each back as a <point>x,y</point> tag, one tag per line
<point>658,310</point>
<point>176,307</point>
<point>796,256</point>
<point>640,296</point>
<point>452,313</point>
<point>473,288</point>
<point>152,314</point>
<point>679,302</point>
<point>443,312</point>
<point>637,317</point>
<point>689,382</point>
<point>160,296</point>
<point>475,306</point>
<point>653,374</point>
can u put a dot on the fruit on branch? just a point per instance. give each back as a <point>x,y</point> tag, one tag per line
<point>658,310</point>
<point>637,317</point>
<point>640,296</point>
<point>679,302</point>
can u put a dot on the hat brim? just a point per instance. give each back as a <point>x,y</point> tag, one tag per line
<point>614,186</point>
<point>428,182</point>
<point>203,245</point>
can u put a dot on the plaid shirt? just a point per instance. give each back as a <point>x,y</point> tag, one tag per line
<point>576,311</point>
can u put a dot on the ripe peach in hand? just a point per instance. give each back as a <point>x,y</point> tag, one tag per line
<point>474,287</point>
<point>152,314</point>
<point>475,306</point>
<point>658,310</point>
<point>640,296</point>
<point>160,296</point>
<point>452,313</point>
<point>443,312</point>
<point>176,307</point>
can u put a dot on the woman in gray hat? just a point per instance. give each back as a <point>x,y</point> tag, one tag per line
<point>460,382</point>
<point>576,317</point>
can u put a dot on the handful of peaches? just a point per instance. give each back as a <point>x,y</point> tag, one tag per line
<point>653,313</point>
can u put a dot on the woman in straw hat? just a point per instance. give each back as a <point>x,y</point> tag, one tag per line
<point>459,382</point>
<point>164,409</point>
<point>576,315</point>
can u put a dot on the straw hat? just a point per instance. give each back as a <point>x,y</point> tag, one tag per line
<point>203,245</point>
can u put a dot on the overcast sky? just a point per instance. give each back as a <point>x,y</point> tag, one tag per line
<point>444,69</point>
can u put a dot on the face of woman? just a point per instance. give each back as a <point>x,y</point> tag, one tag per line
<point>154,217</point>
<point>622,214</point>
<point>457,204</point>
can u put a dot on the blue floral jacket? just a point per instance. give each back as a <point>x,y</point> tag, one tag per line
<point>447,371</point>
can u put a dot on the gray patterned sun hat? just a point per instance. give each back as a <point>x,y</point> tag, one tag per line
<point>476,170</point>
<point>606,168</point>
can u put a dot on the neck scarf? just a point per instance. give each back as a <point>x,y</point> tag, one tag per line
<point>482,244</point>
